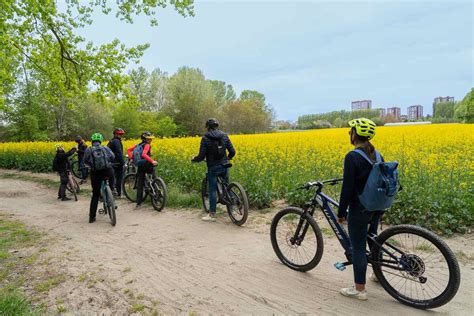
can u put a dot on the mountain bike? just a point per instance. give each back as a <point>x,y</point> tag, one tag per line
<point>72,186</point>
<point>412,264</point>
<point>231,195</point>
<point>129,166</point>
<point>76,167</point>
<point>108,202</point>
<point>154,187</point>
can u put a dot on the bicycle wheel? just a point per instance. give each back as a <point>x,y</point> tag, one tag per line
<point>205,194</point>
<point>302,251</point>
<point>158,194</point>
<point>129,187</point>
<point>110,204</point>
<point>415,266</point>
<point>76,169</point>
<point>72,187</point>
<point>238,209</point>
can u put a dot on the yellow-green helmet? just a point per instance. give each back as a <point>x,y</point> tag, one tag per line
<point>363,127</point>
<point>59,147</point>
<point>97,137</point>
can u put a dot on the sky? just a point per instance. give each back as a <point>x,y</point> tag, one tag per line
<point>314,56</point>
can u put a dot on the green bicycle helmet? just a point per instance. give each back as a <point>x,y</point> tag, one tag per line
<point>363,127</point>
<point>97,137</point>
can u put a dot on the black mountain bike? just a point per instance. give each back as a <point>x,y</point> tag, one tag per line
<point>231,195</point>
<point>411,263</point>
<point>108,202</point>
<point>154,187</point>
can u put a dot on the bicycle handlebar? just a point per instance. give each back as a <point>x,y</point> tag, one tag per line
<point>319,184</point>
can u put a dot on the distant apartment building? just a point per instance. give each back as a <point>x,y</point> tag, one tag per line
<point>383,112</point>
<point>441,100</point>
<point>361,105</point>
<point>415,112</point>
<point>403,117</point>
<point>394,111</point>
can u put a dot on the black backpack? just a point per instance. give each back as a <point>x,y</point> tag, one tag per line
<point>217,148</point>
<point>55,164</point>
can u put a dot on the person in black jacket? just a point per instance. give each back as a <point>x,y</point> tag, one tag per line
<point>81,149</point>
<point>360,221</point>
<point>214,147</point>
<point>115,144</point>
<point>63,166</point>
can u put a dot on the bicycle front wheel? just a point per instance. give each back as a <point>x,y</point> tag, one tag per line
<point>296,239</point>
<point>415,266</point>
<point>110,204</point>
<point>76,169</point>
<point>129,187</point>
<point>158,194</point>
<point>73,187</point>
<point>205,194</point>
<point>238,208</point>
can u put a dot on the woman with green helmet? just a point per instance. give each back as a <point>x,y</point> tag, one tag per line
<point>99,159</point>
<point>360,221</point>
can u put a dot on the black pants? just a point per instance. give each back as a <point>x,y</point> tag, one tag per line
<point>118,171</point>
<point>141,172</point>
<point>360,224</point>
<point>96,181</point>
<point>63,183</point>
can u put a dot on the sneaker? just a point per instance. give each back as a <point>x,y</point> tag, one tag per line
<point>65,199</point>
<point>91,220</point>
<point>138,205</point>
<point>373,278</point>
<point>209,218</point>
<point>353,293</point>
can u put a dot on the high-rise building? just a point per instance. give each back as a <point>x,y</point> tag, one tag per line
<point>441,100</point>
<point>361,105</point>
<point>415,112</point>
<point>394,111</point>
<point>383,112</point>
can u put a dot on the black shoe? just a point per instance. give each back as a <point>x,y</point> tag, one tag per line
<point>91,220</point>
<point>65,199</point>
<point>59,197</point>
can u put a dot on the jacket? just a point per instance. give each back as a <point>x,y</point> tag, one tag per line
<point>63,161</point>
<point>115,144</point>
<point>206,143</point>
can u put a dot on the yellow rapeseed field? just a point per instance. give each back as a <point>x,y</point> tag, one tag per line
<point>436,165</point>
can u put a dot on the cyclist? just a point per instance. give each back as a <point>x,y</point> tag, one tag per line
<point>360,221</point>
<point>140,154</point>
<point>81,148</point>
<point>99,159</point>
<point>214,145</point>
<point>115,144</point>
<point>62,165</point>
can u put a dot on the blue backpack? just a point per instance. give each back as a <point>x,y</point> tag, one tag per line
<point>382,184</point>
<point>137,155</point>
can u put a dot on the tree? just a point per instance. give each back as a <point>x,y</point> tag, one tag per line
<point>465,109</point>
<point>127,117</point>
<point>223,92</point>
<point>444,110</point>
<point>149,88</point>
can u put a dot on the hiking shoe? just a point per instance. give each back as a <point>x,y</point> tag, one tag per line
<point>373,278</point>
<point>353,293</point>
<point>209,218</point>
<point>65,199</point>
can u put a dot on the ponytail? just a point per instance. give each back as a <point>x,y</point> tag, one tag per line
<point>369,150</point>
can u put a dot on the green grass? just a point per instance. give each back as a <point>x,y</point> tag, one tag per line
<point>15,303</point>
<point>47,285</point>
<point>137,308</point>
<point>180,199</point>
<point>43,181</point>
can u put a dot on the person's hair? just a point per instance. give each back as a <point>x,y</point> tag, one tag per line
<point>366,145</point>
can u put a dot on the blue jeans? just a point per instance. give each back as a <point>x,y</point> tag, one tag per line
<point>212,173</point>
<point>361,223</point>
<point>83,170</point>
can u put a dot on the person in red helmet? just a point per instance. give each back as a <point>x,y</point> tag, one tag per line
<point>115,144</point>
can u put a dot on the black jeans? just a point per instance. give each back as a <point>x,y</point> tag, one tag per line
<point>361,223</point>
<point>141,172</point>
<point>83,169</point>
<point>96,181</point>
<point>118,171</point>
<point>63,183</point>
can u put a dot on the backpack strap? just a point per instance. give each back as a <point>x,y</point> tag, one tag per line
<point>378,157</point>
<point>364,155</point>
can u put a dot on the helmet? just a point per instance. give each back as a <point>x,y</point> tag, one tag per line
<point>97,137</point>
<point>59,147</point>
<point>363,127</point>
<point>119,131</point>
<point>78,139</point>
<point>212,123</point>
<point>147,135</point>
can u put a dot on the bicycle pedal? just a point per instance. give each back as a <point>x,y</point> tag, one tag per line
<point>340,266</point>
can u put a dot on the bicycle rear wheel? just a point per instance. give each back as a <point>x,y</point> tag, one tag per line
<point>73,187</point>
<point>415,266</point>
<point>129,187</point>
<point>205,194</point>
<point>76,169</point>
<point>300,251</point>
<point>110,204</point>
<point>158,194</point>
<point>238,208</point>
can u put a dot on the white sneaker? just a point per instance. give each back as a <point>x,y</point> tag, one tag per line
<point>373,278</point>
<point>353,293</point>
<point>209,218</point>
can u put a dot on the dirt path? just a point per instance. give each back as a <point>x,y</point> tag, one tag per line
<point>172,262</point>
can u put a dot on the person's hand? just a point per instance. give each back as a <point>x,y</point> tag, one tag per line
<point>341,220</point>
<point>154,163</point>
